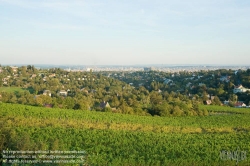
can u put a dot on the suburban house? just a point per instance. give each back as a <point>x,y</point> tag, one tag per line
<point>240,89</point>
<point>62,93</point>
<point>148,68</point>
<point>52,75</point>
<point>210,99</point>
<point>208,102</point>
<point>188,84</point>
<point>48,105</point>
<point>201,84</point>
<point>14,68</point>
<point>84,90</point>
<point>167,81</point>
<point>104,104</point>
<point>33,76</point>
<point>225,78</point>
<point>5,81</point>
<point>36,96</point>
<point>239,104</point>
<point>47,92</point>
<point>226,102</point>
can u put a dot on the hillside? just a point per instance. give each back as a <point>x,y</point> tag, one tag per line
<point>140,93</point>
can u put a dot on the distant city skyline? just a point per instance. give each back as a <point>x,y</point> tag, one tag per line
<point>139,32</point>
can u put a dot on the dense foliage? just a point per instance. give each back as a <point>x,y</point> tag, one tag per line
<point>87,90</point>
<point>198,84</point>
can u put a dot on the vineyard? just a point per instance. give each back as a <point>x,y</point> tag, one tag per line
<point>119,139</point>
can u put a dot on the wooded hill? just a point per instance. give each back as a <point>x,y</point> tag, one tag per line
<point>141,93</point>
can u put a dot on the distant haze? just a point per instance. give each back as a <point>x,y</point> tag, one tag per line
<point>119,32</point>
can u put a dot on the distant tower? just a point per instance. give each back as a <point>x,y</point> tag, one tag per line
<point>149,68</point>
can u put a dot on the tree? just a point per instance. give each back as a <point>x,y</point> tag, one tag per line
<point>115,102</point>
<point>81,105</point>
<point>233,98</point>
<point>155,97</point>
<point>69,103</point>
<point>176,111</point>
<point>161,109</point>
<point>216,101</point>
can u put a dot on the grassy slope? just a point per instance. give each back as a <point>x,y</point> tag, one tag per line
<point>126,139</point>
<point>15,89</point>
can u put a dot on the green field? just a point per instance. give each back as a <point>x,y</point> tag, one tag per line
<point>15,89</point>
<point>119,139</point>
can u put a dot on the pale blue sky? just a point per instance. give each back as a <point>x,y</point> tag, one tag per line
<point>124,32</point>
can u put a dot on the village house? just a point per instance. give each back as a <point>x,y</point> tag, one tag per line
<point>167,81</point>
<point>104,104</point>
<point>239,104</point>
<point>14,68</point>
<point>62,93</point>
<point>48,105</point>
<point>84,90</point>
<point>33,76</point>
<point>201,84</point>
<point>47,92</point>
<point>188,84</point>
<point>36,96</point>
<point>240,89</point>
<point>225,78</point>
<point>208,102</point>
<point>226,102</point>
<point>52,75</point>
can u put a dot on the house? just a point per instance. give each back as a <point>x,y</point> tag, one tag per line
<point>52,75</point>
<point>47,92</point>
<point>84,90</point>
<point>226,102</point>
<point>188,84</point>
<point>201,84</point>
<point>239,104</point>
<point>208,102</point>
<point>225,78</point>
<point>104,104</point>
<point>36,96</point>
<point>148,68</point>
<point>200,77</point>
<point>62,93</point>
<point>48,105</point>
<point>33,76</point>
<point>212,97</point>
<point>240,89</point>
<point>14,68</point>
<point>167,81</point>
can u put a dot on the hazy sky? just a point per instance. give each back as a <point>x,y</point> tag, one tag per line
<point>124,32</point>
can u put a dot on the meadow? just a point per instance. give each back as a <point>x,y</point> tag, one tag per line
<point>15,89</point>
<point>120,139</point>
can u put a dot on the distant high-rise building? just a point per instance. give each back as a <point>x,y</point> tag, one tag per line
<point>89,69</point>
<point>149,68</point>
